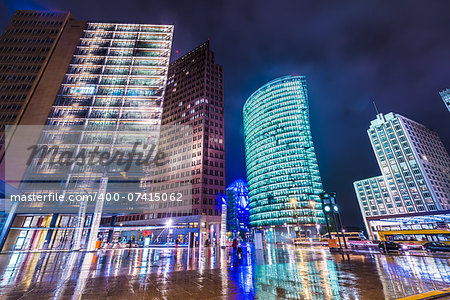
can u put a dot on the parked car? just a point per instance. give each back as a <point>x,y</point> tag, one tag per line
<point>387,246</point>
<point>297,241</point>
<point>436,246</point>
<point>411,246</point>
<point>359,243</point>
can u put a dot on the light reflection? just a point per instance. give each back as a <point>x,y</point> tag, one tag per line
<point>224,270</point>
<point>412,274</point>
<point>144,264</point>
<point>11,269</point>
<point>67,273</point>
<point>83,274</point>
<point>283,272</point>
<point>201,261</point>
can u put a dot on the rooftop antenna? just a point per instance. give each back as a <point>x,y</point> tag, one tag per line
<point>375,105</point>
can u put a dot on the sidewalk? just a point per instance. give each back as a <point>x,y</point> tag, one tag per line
<point>376,251</point>
<point>107,249</point>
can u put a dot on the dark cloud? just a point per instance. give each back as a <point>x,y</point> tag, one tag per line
<point>352,52</point>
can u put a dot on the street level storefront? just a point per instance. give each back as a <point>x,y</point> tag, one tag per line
<point>288,232</point>
<point>57,231</point>
<point>419,228</point>
<point>135,229</point>
<point>45,231</point>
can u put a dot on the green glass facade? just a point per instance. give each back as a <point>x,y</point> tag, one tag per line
<point>282,171</point>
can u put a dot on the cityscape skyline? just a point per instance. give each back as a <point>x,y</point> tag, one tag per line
<point>224,150</point>
<point>364,56</point>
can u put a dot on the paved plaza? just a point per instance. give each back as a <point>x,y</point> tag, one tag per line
<point>282,272</point>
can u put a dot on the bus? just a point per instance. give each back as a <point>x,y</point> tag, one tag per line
<point>416,236</point>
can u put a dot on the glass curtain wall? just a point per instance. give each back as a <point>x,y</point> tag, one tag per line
<point>282,171</point>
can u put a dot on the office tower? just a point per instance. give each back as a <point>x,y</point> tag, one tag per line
<point>111,98</point>
<point>282,171</point>
<point>35,50</point>
<point>194,97</point>
<point>446,98</point>
<point>414,161</point>
<point>415,169</point>
<point>194,100</point>
<point>192,140</point>
<point>238,214</point>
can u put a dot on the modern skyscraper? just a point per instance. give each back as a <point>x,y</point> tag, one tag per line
<point>193,107</point>
<point>282,171</point>
<point>446,98</point>
<point>110,100</point>
<point>35,50</point>
<point>415,169</point>
<point>238,214</point>
<point>194,97</point>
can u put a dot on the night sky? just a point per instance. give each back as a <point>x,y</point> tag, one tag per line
<point>351,52</point>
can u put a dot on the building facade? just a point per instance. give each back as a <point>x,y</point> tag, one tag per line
<point>282,171</point>
<point>415,169</point>
<point>446,98</point>
<point>194,97</point>
<point>110,100</point>
<point>374,198</point>
<point>193,105</point>
<point>238,210</point>
<point>35,49</point>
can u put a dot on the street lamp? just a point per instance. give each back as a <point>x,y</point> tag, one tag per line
<point>330,208</point>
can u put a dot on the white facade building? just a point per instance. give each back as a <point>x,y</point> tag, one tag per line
<point>446,97</point>
<point>415,171</point>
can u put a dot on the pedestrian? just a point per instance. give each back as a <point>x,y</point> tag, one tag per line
<point>240,252</point>
<point>234,244</point>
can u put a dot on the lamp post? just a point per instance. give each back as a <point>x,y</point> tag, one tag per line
<point>293,200</point>
<point>330,207</point>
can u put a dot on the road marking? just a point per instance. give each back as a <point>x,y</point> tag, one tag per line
<point>428,295</point>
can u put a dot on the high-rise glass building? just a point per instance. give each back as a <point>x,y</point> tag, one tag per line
<point>193,138</point>
<point>282,171</point>
<point>446,98</point>
<point>415,182</point>
<point>238,215</point>
<point>111,98</point>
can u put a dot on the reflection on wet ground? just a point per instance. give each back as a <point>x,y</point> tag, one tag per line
<point>283,272</point>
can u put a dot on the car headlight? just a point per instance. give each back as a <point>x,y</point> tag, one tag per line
<point>404,247</point>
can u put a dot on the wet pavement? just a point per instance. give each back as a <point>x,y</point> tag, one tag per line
<point>282,272</point>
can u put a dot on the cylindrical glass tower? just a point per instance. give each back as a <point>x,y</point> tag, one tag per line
<point>282,171</point>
